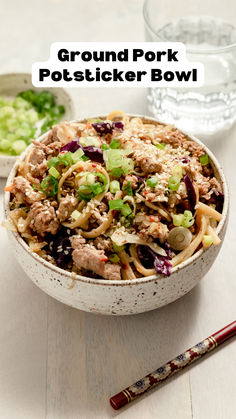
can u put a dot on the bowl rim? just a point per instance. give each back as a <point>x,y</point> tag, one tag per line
<point>79,278</point>
<point>29,76</point>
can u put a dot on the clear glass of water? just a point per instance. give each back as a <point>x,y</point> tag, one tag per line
<point>209,109</point>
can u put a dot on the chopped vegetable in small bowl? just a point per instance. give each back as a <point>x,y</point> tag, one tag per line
<point>25,113</point>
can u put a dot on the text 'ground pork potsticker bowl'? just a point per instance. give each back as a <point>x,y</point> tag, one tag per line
<point>116,199</point>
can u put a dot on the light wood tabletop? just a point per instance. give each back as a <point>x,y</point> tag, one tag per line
<point>57,362</point>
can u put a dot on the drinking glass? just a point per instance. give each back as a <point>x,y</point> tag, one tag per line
<point>209,35</point>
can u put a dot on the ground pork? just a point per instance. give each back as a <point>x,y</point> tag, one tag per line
<point>177,139</point>
<point>148,163</point>
<point>208,186</point>
<point>66,207</point>
<point>87,257</point>
<point>51,137</point>
<point>24,192</point>
<point>103,244</point>
<point>154,231</point>
<point>133,179</point>
<point>43,218</point>
<point>37,162</point>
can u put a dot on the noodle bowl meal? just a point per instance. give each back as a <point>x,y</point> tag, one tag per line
<point>116,198</point>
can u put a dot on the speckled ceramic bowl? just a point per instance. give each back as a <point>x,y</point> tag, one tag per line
<point>119,297</point>
<point>13,83</point>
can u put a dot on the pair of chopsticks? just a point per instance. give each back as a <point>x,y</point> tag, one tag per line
<point>175,365</point>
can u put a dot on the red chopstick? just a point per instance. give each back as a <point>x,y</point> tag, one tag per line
<point>177,364</point>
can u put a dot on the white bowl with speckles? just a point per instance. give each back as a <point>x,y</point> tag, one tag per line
<point>13,83</point>
<point>119,297</point>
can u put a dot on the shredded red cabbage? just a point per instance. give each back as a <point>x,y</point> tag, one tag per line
<point>192,198</point>
<point>107,127</point>
<point>149,258</point>
<point>72,146</point>
<point>93,153</point>
<point>185,160</point>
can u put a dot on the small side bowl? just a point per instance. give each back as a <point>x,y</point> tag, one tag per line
<point>119,297</point>
<point>13,83</point>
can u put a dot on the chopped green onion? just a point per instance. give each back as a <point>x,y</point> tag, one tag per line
<point>173,183</point>
<point>187,222</point>
<point>90,178</point>
<point>75,215</point>
<point>85,193</point>
<point>49,186</point>
<point>177,171</point>
<point>84,158</point>
<point>188,214</point>
<point>114,258</point>
<point>177,219</point>
<point>204,160</point>
<point>117,248</point>
<point>128,188</point>
<point>76,156</point>
<point>97,188</point>
<point>66,159</point>
<point>152,182</point>
<point>104,147</point>
<point>115,143</point>
<point>114,186</point>
<point>115,159</point>
<point>161,146</point>
<point>207,240</point>
<point>54,172</point>
<point>117,172</point>
<point>19,146</point>
<point>126,210</point>
<point>53,162</point>
<point>101,176</point>
<point>116,204</point>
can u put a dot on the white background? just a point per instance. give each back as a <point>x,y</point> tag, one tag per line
<point>57,362</point>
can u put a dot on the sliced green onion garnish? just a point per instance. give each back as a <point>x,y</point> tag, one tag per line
<point>114,186</point>
<point>76,156</point>
<point>115,143</point>
<point>53,162</point>
<point>49,186</point>
<point>85,192</point>
<point>90,178</point>
<point>54,172</point>
<point>116,204</point>
<point>188,214</point>
<point>161,146</point>
<point>114,258</point>
<point>152,182</point>
<point>117,172</point>
<point>101,176</point>
<point>126,210</point>
<point>104,147</point>
<point>173,183</point>
<point>117,248</point>
<point>97,188</point>
<point>177,219</point>
<point>128,188</point>
<point>178,171</point>
<point>204,160</point>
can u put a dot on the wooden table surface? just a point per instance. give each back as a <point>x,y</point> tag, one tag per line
<point>57,362</point>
